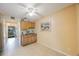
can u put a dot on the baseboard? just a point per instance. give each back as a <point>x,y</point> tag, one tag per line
<point>61,52</point>
<point>56,50</point>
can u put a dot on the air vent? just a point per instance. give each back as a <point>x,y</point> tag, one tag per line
<point>23,19</point>
<point>12,17</point>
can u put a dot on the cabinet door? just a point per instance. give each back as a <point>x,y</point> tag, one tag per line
<point>33,24</point>
<point>26,40</point>
<point>23,25</point>
<point>34,38</point>
<point>27,25</point>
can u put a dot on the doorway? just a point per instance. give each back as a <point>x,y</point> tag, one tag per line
<point>11,39</point>
<point>11,32</point>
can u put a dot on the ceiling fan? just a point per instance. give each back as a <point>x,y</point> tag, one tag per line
<point>31,9</point>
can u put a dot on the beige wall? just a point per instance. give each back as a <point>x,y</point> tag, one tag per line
<point>77,11</point>
<point>1,32</point>
<point>1,45</point>
<point>62,36</point>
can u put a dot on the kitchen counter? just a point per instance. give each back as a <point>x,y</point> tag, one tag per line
<point>29,34</point>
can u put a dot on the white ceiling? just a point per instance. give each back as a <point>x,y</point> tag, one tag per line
<point>19,10</point>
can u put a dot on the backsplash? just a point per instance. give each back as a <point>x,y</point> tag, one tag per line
<point>28,31</point>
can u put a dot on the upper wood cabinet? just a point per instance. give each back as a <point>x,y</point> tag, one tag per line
<point>27,25</point>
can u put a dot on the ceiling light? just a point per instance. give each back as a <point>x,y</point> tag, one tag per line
<point>31,11</point>
<point>30,14</point>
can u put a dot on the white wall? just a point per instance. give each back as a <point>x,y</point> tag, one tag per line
<point>9,22</point>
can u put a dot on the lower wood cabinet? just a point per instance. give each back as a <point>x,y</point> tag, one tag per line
<point>28,39</point>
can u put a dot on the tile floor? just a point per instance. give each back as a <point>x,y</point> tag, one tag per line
<point>13,49</point>
<point>10,47</point>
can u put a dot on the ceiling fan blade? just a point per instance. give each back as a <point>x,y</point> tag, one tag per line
<point>24,15</point>
<point>37,4</point>
<point>38,14</point>
<point>21,4</point>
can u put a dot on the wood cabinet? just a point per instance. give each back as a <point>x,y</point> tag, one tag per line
<point>26,25</point>
<point>28,39</point>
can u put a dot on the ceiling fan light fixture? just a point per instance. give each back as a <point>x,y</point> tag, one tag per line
<point>31,11</point>
<point>31,14</point>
